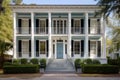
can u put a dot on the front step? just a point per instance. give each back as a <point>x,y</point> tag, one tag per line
<point>60,65</point>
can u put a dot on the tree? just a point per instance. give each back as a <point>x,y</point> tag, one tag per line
<point>6,30</point>
<point>108,7</point>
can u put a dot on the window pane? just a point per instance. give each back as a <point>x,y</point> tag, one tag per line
<point>77,47</point>
<point>42,47</point>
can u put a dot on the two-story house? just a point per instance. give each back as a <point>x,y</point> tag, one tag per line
<point>58,32</point>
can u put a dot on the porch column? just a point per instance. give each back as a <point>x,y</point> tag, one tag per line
<point>86,36</point>
<point>49,32</point>
<point>103,39</point>
<point>69,34</point>
<point>14,45</point>
<point>32,35</point>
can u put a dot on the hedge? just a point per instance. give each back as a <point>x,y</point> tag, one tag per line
<point>21,68</point>
<point>100,69</point>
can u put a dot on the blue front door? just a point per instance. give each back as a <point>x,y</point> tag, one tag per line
<point>59,50</point>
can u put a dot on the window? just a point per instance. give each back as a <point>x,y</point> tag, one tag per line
<point>25,47</point>
<point>53,48</point>
<point>25,22</point>
<point>93,47</point>
<point>42,47</point>
<point>42,23</point>
<point>77,47</point>
<point>76,23</point>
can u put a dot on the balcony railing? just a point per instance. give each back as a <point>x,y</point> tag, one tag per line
<point>23,30</point>
<point>59,30</point>
<point>94,30</point>
<point>41,30</point>
<point>77,30</point>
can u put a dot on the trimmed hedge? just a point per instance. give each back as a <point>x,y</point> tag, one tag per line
<point>100,69</point>
<point>23,61</point>
<point>43,63</point>
<point>20,69</point>
<point>77,63</point>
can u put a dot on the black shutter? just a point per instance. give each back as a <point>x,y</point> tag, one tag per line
<point>82,48</point>
<point>37,25</point>
<point>29,26</point>
<point>99,49</point>
<point>47,46</point>
<point>19,22</point>
<point>47,25</point>
<point>82,26</point>
<point>89,48</point>
<point>99,27</point>
<point>37,48</point>
<point>72,22</point>
<point>29,48</point>
<point>19,48</point>
<point>19,25</point>
<point>89,26</point>
<point>72,48</point>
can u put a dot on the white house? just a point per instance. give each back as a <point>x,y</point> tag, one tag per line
<point>58,32</point>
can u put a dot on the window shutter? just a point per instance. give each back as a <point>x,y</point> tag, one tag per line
<point>89,26</point>
<point>72,22</point>
<point>89,48</point>
<point>47,46</point>
<point>47,25</point>
<point>82,48</point>
<point>29,48</point>
<point>72,48</point>
<point>29,25</point>
<point>37,22</point>
<point>82,26</point>
<point>37,48</point>
<point>99,49</point>
<point>98,25</point>
<point>19,48</point>
<point>19,22</point>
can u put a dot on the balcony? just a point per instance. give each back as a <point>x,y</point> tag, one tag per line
<point>41,30</point>
<point>77,30</point>
<point>59,30</point>
<point>23,30</point>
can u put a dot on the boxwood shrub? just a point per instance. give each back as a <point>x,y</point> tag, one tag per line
<point>100,69</point>
<point>43,63</point>
<point>77,63</point>
<point>34,61</point>
<point>23,61</point>
<point>20,69</point>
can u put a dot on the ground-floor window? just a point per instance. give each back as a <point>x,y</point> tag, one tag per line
<point>42,47</point>
<point>76,47</point>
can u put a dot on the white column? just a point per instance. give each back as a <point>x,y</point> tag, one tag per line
<point>86,36</point>
<point>104,39</point>
<point>69,34</point>
<point>32,35</point>
<point>14,45</point>
<point>49,33</point>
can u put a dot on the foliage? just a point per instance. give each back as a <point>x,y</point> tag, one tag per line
<point>77,63</point>
<point>43,63</point>
<point>112,61</point>
<point>17,2</point>
<point>16,61</point>
<point>23,61</point>
<point>101,69</point>
<point>95,61</point>
<point>6,31</point>
<point>109,6</point>
<point>21,68</point>
<point>7,63</point>
<point>34,61</point>
<point>87,61</point>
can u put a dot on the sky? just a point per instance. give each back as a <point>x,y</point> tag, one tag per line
<point>60,2</point>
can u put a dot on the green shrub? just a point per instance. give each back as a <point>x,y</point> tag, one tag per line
<point>21,68</point>
<point>113,61</point>
<point>34,61</point>
<point>100,69</point>
<point>23,61</point>
<point>87,61</point>
<point>43,63</point>
<point>118,60</point>
<point>7,63</point>
<point>77,63</point>
<point>16,61</point>
<point>95,61</point>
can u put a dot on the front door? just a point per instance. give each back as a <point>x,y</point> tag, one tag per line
<point>59,50</point>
